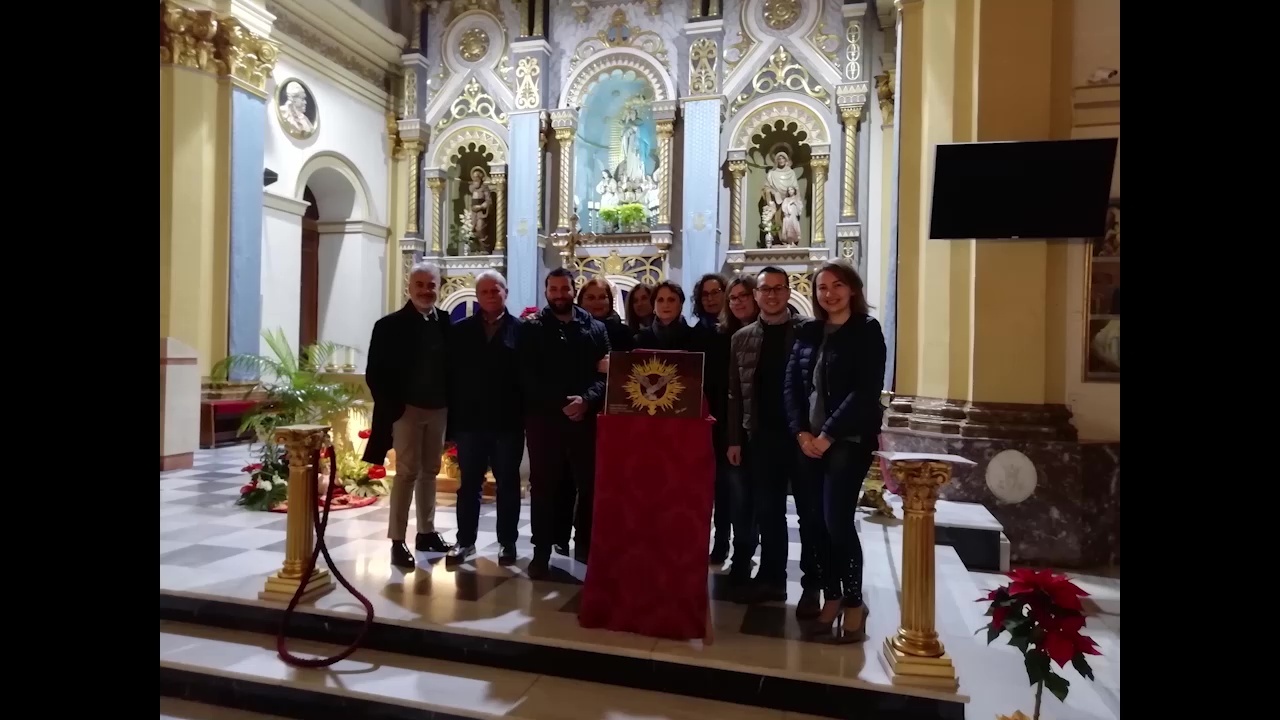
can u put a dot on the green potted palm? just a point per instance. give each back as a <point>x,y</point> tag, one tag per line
<point>295,393</point>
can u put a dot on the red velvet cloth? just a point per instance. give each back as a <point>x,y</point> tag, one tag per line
<point>655,485</point>
<point>231,406</point>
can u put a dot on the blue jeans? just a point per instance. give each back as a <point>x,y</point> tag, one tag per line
<point>835,481</point>
<point>479,451</point>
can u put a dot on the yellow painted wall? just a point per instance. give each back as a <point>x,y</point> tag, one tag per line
<point>194,210</point>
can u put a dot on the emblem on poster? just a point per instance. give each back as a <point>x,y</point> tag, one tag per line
<point>654,383</point>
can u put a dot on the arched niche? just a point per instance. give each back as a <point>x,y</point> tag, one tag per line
<point>766,111</point>
<point>476,132</point>
<point>585,76</point>
<point>339,188</point>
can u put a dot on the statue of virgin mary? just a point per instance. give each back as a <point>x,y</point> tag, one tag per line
<point>632,148</point>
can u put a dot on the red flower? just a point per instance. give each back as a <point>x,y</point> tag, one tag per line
<point>1061,591</point>
<point>246,489</point>
<point>364,434</point>
<point>377,472</point>
<point>529,312</point>
<point>1062,639</point>
<point>255,467</point>
<point>452,452</point>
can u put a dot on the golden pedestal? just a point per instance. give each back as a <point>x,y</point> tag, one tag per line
<point>300,532</point>
<point>281,589</point>
<point>914,656</point>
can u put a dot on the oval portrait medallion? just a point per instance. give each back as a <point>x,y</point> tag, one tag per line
<point>1011,476</point>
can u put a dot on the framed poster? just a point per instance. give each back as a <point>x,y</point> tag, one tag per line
<point>655,383</point>
<point>1102,299</point>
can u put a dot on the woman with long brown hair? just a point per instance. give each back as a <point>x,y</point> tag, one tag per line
<point>639,314</point>
<point>739,310</point>
<point>832,389</point>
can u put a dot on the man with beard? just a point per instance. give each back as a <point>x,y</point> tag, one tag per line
<point>406,375</point>
<point>560,350</point>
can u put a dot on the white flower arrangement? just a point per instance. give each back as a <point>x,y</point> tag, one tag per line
<point>465,233</point>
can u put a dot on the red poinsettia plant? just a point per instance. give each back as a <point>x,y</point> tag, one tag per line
<point>1043,615</point>
<point>359,478</point>
<point>528,312</point>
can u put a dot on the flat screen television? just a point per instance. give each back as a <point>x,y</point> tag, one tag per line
<point>1010,190</point>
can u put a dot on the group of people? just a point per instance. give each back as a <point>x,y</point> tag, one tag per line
<point>796,402</point>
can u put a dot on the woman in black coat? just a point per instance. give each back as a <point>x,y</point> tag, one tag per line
<point>669,330</point>
<point>596,297</point>
<point>832,394</point>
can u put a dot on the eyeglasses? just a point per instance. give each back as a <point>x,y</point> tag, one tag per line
<point>772,289</point>
<point>739,298</point>
<point>712,293</point>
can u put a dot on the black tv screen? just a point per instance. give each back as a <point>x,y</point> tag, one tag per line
<point>1041,189</point>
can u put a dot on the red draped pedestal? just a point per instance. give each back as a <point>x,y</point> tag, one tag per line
<point>655,485</point>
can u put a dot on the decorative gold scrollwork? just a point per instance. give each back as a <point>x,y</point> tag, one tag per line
<point>473,102</point>
<point>619,34</point>
<point>781,73</point>
<point>474,44</point>
<point>702,67</point>
<point>781,14</point>
<point>527,95</point>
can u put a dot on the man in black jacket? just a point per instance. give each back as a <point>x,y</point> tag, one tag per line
<point>486,417</point>
<point>560,350</point>
<point>407,375</point>
<point>758,362</point>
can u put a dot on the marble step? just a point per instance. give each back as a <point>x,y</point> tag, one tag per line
<point>240,670</point>
<point>176,709</point>
<point>976,534</point>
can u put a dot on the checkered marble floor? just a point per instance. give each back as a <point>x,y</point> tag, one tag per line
<point>209,546</point>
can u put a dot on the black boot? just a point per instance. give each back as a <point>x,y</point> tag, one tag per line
<point>401,557</point>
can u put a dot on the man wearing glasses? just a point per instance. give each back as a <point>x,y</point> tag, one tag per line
<point>758,362</point>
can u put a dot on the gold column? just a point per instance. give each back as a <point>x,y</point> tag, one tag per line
<point>301,441</point>
<point>849,201</point>
<point>914,654</point>
<point>434,185</point>
<point>564,136</point>
<point>665,130</point>
<point>414,150</point>
<point>819,166</point>
<point>500,223</point>
<point>737,169</point>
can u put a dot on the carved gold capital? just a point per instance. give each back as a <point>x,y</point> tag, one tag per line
<point>203,40</point>
<point>186,37</point>
<point>564,134</point>
<point>885,88</point>
<point>851,116</point>
<point>247,57</point>
<point>921,481</point>
<point>301,441</point>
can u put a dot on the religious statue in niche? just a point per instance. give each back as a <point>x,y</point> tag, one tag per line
<point>631,166</point>
<point>481,200</point>
<point>607,189</point>
<point>296,108</point>
<point>783,205</point>
<point>792,208</point>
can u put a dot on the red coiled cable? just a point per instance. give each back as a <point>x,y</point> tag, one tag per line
<point>321,521</point>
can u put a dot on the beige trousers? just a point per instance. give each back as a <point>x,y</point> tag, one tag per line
<point>418,437</point>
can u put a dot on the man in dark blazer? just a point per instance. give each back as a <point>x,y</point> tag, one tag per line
<point>407,374</point>
<point>560,352</point>
<point>486,416</point>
